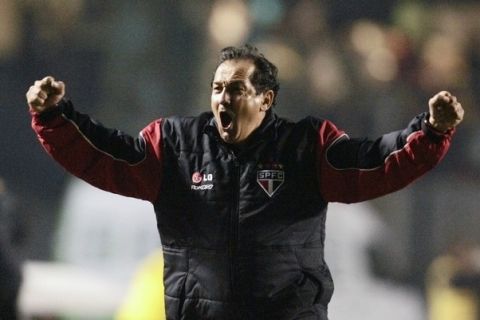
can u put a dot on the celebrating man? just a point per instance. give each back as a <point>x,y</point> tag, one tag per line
<point>240,194</point>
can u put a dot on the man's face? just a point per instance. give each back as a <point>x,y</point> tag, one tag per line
<point>237,107</point>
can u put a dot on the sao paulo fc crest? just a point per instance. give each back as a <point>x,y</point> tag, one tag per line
<point>270,179</point>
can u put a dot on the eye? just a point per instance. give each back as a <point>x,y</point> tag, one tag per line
<point>237,89</point>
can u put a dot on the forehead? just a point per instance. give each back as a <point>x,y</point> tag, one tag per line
<point>231,70</point>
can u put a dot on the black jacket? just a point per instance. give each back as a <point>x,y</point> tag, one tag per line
<point>234,251</point>
<point>242,229</point>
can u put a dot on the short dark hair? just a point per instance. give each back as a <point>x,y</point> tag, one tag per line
<point>265,76</point>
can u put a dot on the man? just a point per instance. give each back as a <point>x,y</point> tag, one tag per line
<point>240,194</point>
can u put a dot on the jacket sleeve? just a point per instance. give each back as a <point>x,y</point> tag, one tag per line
<point>354,170</point>
<point>108,159</point>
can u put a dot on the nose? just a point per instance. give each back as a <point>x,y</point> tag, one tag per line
<point>224,97</point>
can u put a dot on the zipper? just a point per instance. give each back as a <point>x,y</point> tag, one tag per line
<point>232,249</point>
<point>234,222</point>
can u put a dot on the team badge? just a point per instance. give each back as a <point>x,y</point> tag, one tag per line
<point>270,179</point>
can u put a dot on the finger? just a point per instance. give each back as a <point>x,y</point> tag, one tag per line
<point>47,80</point>
<point>35,91</point>
<point>434,101</point>
<point>36,102</point>
<point>459,110</point>
<point>444,99</point>
<point>42,94</point>
<point>444,93</point>
<point>58,87</point>
<point>451,116</point>
<point>442,102</point>
<point>46,83</point>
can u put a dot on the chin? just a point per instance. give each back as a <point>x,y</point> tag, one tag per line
<point>226,137</point>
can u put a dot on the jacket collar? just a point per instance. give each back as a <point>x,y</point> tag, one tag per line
<point>266,130</point>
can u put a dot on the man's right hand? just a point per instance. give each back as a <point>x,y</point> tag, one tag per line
<point>45,94</point>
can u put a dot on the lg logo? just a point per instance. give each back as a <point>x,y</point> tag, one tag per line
<point>197,177</point>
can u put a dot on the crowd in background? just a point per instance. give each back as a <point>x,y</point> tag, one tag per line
<point>369,66</point>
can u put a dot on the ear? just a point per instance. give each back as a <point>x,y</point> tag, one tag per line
<point>267,100</point>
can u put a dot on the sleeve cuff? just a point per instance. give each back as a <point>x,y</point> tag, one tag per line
<point>433,133</point>
<point>52,113</point>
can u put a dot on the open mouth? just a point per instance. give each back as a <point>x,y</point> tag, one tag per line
<point>226,119</point>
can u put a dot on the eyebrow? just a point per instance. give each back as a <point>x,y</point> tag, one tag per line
<point>229,84</point>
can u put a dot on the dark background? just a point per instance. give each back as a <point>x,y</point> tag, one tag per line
<point>369,66</point>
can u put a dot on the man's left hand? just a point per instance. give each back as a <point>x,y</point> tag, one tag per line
<point>445,111</point>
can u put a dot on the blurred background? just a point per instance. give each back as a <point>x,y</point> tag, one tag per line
<point>369,66</point>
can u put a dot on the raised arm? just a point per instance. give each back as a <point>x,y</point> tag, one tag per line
<point>105,158</point>
<point>353,170</point>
